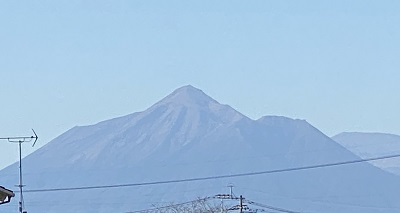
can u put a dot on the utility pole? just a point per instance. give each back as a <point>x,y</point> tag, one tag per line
<point>230,196</point>
<point>21,140</point>
<point>231,189</point>
<point>241,204</point>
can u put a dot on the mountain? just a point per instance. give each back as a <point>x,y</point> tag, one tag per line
<point>189,135</point>
<point>367,145</point>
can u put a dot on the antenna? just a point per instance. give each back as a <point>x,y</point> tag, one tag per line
<point>36,137</point>
<point>20,140</point>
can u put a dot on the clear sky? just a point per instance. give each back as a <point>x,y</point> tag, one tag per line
<point>65,63</point>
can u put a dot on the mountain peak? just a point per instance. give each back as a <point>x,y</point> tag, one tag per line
<point>193,102</point>
<point>188,95</point>
<point>189,89</point>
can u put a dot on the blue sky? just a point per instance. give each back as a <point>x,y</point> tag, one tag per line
<point>67,63</point>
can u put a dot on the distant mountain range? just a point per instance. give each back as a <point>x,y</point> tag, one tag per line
<point>368,145</point>
<point>190,135</point>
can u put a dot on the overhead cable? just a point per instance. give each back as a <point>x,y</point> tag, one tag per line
<point>272,208</point>
<point>213,177</point>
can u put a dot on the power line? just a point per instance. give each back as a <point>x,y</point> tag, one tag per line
<point>213,177</point>
<point>171,206</point>
<point>321,201</point>
<point>272,208</point>
<point>237,207</point>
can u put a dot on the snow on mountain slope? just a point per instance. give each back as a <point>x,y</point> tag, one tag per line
<point>367,145</point>
<point>190,135</point>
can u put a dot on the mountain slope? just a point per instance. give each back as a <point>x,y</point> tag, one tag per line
<point>181,118</point>
<point>367,145</point>
<point>190,135</point>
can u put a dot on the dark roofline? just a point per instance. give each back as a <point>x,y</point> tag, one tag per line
<point>5,194</point>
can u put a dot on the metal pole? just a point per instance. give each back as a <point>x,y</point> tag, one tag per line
<point>241,203</point>
<point>20,177</point>
<point>231,190</point>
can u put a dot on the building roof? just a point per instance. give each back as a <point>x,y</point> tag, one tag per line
<point>5,195</point>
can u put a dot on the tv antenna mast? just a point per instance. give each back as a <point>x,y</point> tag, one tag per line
<point>20,140</point>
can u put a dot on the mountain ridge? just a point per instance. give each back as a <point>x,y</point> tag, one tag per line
<point>373,144</point>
